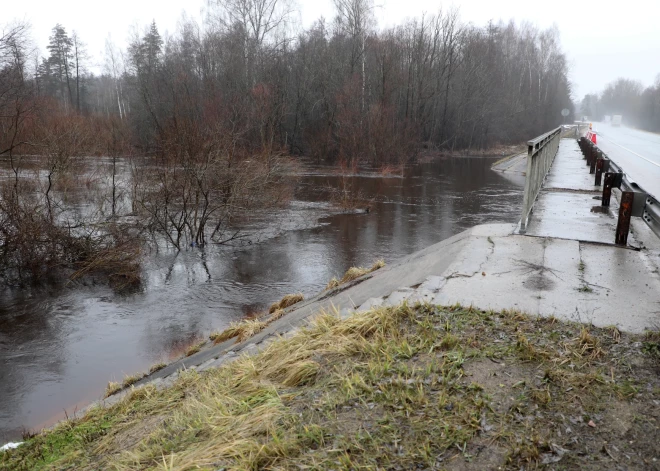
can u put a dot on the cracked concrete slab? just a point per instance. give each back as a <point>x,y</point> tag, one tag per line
<point>570,216</point>
<point>583,282</point>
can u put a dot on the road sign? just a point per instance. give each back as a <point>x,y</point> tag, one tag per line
<point>565,112</point>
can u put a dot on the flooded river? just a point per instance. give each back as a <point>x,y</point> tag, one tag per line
<point>60,347</point>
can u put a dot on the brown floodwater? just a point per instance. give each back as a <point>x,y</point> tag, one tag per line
<point>60,346</point>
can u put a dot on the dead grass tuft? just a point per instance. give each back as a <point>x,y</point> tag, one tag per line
<point>240,330</point>
<point>246,328</point>
<point>353,273</point>
<point>652,335</point>
<point>157,367</point>
<point>588,345</point>
<point>391,170</point>
<point>527,350</point>
<point>195,348</point>
<point>121,263</point>
<point>615,333</point>
<point>132,379</point>
<point>449,341</point>
<point>112,388</point>
<point>286,301</point>
<point>277,314</point>
<point>213,337</point>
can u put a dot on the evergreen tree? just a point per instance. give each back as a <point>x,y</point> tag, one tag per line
<point>60,47</point>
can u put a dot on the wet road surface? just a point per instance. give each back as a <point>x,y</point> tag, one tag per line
<point>637,152</point>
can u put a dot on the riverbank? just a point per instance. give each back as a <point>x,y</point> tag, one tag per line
<point>564,388</point>
<point>398,387</point>
<point>59,349</point>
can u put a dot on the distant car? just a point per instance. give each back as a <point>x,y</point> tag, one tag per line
<point>616,120</point>
<point>607,119</point>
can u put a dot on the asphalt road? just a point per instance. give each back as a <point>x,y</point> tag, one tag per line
<point>637,152</point>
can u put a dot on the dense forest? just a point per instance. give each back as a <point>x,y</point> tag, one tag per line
<point>339,89</point>
<point>213,117</point>
<point>639,106</point>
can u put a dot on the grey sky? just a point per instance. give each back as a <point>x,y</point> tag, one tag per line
<point>603,40</point>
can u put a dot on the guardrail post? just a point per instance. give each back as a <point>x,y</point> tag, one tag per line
<point>587,151</point>
<point>612,180</point>
<point>581,143</point>
<point>625,211</point>
<point>600,163</point>
<point>592,161</point>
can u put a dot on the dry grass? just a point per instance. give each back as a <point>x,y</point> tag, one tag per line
<point>215,335</point>
<point>287,301</point>
<point>277,314</point>
<point>157,367</point>
<point>129,380</point>
<point>112,388</point>
<point>132,379</point>
<point>195,348</point>
<point>354,273</point>
<point>391,388</point>
<point>240,330</point>
<point>246,328</point>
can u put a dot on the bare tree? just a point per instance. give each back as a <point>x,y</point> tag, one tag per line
<point>113,67</point>
<point>79,55</point>
<point>355,17</point>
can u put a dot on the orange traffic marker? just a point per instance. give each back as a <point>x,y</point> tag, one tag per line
<point>591,135</point>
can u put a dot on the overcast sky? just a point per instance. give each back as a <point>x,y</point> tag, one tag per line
<point>603,40</point>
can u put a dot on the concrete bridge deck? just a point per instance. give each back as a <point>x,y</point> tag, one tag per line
<point>568,206</point>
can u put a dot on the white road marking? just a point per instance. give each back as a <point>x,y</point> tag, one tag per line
<point>632,152</point>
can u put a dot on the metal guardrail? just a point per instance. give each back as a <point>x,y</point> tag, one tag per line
<point>651,214</point>
<point>635,201</point>
<point>541,152</point>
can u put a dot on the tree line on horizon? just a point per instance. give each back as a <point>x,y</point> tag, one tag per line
<point>638,105</point>
<point>343,89</point>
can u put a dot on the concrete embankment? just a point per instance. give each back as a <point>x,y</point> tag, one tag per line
<point>513,164</point>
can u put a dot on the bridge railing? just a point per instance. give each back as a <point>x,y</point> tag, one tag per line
<point>541,152</point>
<point>635,201</point>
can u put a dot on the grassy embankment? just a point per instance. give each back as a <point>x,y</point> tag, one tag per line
<point>407,387</point>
